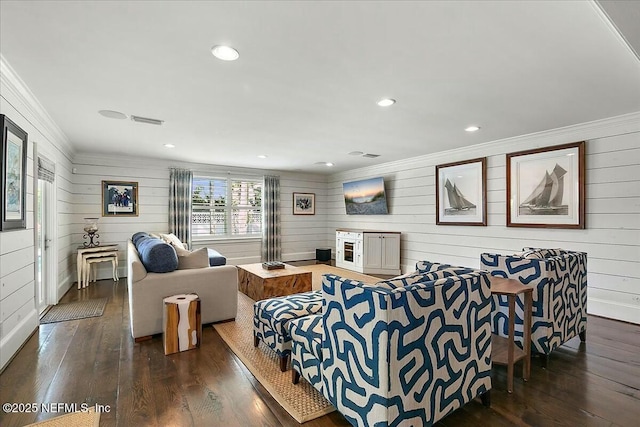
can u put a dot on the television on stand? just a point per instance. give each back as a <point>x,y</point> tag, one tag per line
<point>365,197</point>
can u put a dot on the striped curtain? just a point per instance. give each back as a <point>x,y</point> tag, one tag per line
<point>271,250</point>
<point>180,204</point>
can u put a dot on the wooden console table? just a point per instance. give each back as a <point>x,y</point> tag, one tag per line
<point>504,350</point>
<point>258,283</point>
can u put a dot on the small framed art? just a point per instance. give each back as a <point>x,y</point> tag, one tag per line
<point>461,193</point>
<point>545,187</point>
<point>304,204</point>
<point>119,198</point>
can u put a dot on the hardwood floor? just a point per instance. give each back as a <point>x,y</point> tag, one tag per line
<point>95,361</point>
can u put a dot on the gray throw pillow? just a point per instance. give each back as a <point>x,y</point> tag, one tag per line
<point>192,259</point>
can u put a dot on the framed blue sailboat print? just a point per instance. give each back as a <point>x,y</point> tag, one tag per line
<point>461,193</point>
<point>545,187</point>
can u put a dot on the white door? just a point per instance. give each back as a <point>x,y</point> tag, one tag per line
<point>44,265</point>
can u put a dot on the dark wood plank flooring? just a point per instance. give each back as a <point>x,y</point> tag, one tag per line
<point>95,360</point>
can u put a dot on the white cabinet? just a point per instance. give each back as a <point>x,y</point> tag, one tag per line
<point>382,253</point>
<point>374,252</point>
<point>349,250</point>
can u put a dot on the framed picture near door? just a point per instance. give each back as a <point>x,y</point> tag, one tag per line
<point>14,175</point>
<point>545,187</point>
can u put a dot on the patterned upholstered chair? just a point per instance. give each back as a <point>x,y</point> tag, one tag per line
<point>559,298</point>
<point>405,351</point>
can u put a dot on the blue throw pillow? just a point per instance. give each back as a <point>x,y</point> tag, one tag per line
<point>216,258</point>
<point>156,255</point>
<point>139,235</point>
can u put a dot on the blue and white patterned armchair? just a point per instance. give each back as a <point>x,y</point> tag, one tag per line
<point>559,278</point>
<point>406,351</point>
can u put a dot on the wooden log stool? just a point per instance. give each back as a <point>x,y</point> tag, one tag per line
<point>181,323</point>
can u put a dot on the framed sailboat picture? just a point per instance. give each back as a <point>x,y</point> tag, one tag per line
<point>545,187</point>
<point>461,193</point>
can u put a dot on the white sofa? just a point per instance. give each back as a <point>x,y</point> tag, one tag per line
<point>217,288</point>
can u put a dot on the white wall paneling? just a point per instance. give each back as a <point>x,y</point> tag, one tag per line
<point>611,239</point>
<point>300,234</point>
<point>19,317</point>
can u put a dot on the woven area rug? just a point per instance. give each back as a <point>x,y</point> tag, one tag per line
<point>90,418</point>
<point>317,270</point>
<point>301,401</point>
<point>75,310</point>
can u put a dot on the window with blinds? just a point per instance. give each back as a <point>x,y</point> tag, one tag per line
<point>226,207</point>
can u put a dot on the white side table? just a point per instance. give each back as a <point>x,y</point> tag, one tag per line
<point>90,259</point>
<point>80,267</point>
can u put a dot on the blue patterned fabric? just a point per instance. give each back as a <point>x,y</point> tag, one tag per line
<point>559,279</point>
<point>407,280</point>
<point>270,318</point>
<point>401,355</point>
<point>428,266</point>
<point>306,350</point>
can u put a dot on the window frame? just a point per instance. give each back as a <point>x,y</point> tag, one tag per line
<point>228,209</point>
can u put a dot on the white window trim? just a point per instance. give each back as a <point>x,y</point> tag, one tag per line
<point>203,238</point>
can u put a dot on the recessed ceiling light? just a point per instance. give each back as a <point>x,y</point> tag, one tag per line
<point>226,53</point>
<point>328,164</point>
<point>472,128</point>
<point>169,146</point>
<point>356,153</point>
<point>112,114</point>
<point>385,102</point>
<point>262,156</point>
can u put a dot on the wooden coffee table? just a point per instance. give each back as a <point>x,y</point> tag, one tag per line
<point>258,283</point>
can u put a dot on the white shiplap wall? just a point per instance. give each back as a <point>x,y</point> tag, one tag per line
<point>18,313</point>
<point>611,239</point>
<point>300,234</point>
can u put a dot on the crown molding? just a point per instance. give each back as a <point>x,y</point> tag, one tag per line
<point>613,126</point>
<point>604,16</point>
<point>12,81</point>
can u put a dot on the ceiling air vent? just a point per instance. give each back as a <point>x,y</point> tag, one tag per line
<point>370,156</point>
<point>146,120</point>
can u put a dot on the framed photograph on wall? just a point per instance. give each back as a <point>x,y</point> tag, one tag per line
<point>119,198</point>
<point>545,187</point>
<point>14,175</point>
<point>304,204</point>
<point>461,193</point>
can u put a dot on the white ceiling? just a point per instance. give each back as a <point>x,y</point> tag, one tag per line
<point>305,87</point>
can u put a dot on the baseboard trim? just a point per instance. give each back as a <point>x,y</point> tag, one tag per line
<point>63,288</point>
<point>14,340</point>
<point>611,310</point>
